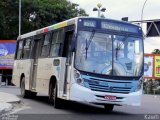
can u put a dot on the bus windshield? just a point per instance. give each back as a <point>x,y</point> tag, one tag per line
<point>109,54</point>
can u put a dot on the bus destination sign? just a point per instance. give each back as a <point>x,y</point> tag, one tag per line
<point>89,23</point>
<point>119,27</point>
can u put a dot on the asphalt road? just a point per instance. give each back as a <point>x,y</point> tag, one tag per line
<point>39,108</point>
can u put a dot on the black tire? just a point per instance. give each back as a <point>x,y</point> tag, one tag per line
<point>53,95</point>
<point>24,92</point>
<point>32,94</point>
<point>108,107</point>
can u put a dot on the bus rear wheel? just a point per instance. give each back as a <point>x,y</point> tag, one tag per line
<point>108,107</point>
<point>24,92</point>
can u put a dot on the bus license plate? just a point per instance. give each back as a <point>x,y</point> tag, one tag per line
<point>110,97</point>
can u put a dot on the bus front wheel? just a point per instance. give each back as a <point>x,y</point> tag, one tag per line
<point>108,107</point>
<point>53,96</point>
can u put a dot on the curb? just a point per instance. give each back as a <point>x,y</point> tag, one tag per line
<point>8,98</point>
<point>5,108</point>
<point>7,102</point>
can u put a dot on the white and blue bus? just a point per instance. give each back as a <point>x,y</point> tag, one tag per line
<point>84,59</point>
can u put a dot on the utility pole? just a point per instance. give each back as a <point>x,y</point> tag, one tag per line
<point>20,17</point>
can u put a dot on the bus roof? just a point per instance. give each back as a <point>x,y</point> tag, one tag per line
<point>49,28</point>
<point>64,24</point>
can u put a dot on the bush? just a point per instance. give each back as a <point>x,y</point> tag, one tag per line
<point>150,85</point>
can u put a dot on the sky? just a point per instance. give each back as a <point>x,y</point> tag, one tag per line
<point>117,9</point>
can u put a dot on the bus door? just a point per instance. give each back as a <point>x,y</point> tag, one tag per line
<point>67,54</point>
<point>35,53</point>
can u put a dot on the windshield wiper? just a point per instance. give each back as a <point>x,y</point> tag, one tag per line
<point>119,46</point>
<point>89,42</point>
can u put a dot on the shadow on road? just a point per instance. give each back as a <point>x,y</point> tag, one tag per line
<point>78,108</point>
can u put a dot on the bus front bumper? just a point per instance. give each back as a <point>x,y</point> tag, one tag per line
<point>81,94</point>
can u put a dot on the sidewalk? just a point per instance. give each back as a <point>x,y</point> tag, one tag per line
<point>6,101</point>
<point>4,107</point>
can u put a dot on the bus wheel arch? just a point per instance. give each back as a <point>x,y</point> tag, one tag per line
<point>24,92</point>
<point>53,91</point>
<point>52,81</point>
<point>22,76</point>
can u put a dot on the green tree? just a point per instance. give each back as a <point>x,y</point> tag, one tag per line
<point>46,12</point>
<point>156,51</point>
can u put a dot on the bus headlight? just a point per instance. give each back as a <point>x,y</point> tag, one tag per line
<point>77,77</point>
<point>79,81</point>
<point>139,85</point>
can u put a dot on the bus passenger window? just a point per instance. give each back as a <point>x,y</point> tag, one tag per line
<point>45,45</point>
<point>57,39</point>
<point>27,48</point>
<point>55,49</point>
<point>19,50</point>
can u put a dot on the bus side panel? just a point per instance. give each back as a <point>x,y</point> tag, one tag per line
<point>60,73</point>
<point>21,67</point>
<point>45,70</point>
<point>44,73</point>
<point>16,75</point>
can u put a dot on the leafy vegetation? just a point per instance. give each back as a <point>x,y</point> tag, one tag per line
<point>46,12</point>
<point>152,86</point>
<point>156,51</point>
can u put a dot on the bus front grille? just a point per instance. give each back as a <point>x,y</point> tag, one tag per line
<point>108,86</point>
